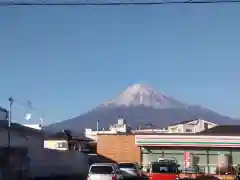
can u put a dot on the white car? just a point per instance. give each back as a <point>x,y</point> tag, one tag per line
<point>104,171</point>
<point>129,169</point>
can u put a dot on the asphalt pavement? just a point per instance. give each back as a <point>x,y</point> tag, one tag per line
<point>82,178</point>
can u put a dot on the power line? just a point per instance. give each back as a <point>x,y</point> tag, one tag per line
<point>11,3</point>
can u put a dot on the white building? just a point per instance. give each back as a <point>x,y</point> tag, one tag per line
<point>121,126</point>
<point>191,126</point>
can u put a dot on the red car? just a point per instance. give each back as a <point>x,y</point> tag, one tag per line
<point>163,171</point>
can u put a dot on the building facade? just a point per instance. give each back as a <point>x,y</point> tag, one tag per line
<point>67,141</point>
<point>119,148</point>
<point>207,152</point>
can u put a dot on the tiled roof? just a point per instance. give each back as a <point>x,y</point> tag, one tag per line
<point>182,122</point>
<point>66,136</point>
<point>222,130</point>
<point>58,136</point>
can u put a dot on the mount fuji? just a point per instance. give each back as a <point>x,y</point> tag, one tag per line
<point>141,105</point>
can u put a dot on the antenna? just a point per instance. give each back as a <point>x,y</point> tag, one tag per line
<point>98,122</point>
<point>41,121</point>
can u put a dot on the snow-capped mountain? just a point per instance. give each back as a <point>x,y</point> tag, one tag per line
<point>141,105</point>
<point>144,95</point>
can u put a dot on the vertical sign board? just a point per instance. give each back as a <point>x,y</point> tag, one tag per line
<point>187,159</point>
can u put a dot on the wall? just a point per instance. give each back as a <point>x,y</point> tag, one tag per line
<point>150,131</point>
<point>20,139</point>
<point>3,114</point>
<point>46,162</point>
<point>119,148</point>
<point>176,128</point>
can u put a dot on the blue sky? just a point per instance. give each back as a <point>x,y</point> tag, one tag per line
<point>66,60</point>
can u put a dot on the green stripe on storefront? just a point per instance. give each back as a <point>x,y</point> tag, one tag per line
<point>171,142</point>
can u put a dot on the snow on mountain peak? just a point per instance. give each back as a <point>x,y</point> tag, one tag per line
<point>145,95</point>
<point>139,88</point>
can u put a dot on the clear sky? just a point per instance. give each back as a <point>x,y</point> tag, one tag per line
<point>67,60</point>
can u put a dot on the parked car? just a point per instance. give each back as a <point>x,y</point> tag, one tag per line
<point>130,169</point>
<point>104,171</point>
<point>166,171</point>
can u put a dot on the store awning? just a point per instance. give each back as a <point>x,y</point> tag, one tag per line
<point>187,140</point>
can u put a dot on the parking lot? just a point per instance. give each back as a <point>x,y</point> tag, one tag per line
<point>81,178</point>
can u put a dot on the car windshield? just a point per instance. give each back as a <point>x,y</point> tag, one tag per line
<point>127,165</point>
<point>159,168</point>
<point>101,170</point>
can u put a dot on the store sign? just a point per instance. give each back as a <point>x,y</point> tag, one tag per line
<point>187,159</point>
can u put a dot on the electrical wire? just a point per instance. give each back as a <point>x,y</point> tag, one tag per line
<point>79,3</point>
<point>28,108</point>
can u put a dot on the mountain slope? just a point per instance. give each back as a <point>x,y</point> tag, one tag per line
<point>141,105</point>
<point>145,95</point>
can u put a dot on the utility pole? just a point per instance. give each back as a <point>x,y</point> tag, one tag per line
<point>10,102</point>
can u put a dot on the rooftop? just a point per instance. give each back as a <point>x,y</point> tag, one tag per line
<point>19,128</point>
<point>188,121</point>
<point>228,130</point>
<point>3,109</point>
<point>67,135</point>
<point>221,130</point>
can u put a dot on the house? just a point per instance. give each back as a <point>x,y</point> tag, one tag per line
<point>27,154</point>
<point>67,141</point>
<point>18,144</point>
<point>19,136</point>
<point>191,126</point>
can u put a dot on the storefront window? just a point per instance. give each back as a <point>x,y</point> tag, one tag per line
<point>235,157</point>
<point>148,158</point>
<point>179,157</point>
<point>219,161</point>
<point>157,151</point>
<point>202,160</point>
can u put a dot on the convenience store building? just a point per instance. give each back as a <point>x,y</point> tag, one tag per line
<point>210,150</point>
